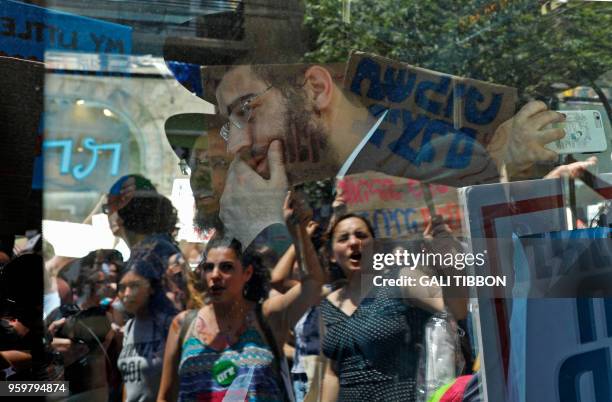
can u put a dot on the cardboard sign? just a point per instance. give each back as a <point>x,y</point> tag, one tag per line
<point>396,206</point>
<point>27,31</point>
<point>437,125</point>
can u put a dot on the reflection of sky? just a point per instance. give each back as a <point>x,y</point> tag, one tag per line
<point>69,121</point>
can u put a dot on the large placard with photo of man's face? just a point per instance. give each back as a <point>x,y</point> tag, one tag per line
<point>416,123</point>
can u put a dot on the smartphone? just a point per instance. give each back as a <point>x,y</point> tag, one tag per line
<point>584,133</point>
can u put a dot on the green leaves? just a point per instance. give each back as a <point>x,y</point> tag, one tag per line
<point>507,42</point>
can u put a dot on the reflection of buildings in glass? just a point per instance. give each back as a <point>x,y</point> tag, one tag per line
<point>104,118</point>
<point>231,26</point>
<point>92,105</point>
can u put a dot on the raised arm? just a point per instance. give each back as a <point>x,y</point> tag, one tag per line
<point>280,277</point>
<point>285,310</point>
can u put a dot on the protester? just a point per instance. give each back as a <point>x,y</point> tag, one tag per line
<point>372,336</point>
<point>238,334</point>
<point>306,346</point>
<point>209,162</point>
<point>143,218</point>
<point>143,296</point>
<point>82,333</point>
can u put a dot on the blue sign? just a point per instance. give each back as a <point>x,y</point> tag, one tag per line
<point>27,31</point>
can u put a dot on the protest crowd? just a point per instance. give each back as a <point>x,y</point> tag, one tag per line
<point>252,318</point>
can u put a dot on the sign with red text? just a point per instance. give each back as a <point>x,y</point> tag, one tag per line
<point>396,206</point>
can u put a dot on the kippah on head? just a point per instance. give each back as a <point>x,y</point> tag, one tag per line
<point>119,195</point>
<point>141,183</point>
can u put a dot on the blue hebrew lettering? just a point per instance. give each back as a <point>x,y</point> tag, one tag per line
<point>476,116</point>
<point>460,152</point>
<point>368,69</point>
<point>423,101</point>
<point>410,226</point>
<point>456,93</point>
<point>377,109</point>
<point>397,86</point>
<point>597,363</point>
<point>383,213</point>
<point>427,151</point>
<point>80,172</point>
<point>379,135</point>
<point>412,128</point>
<point>66,153</point>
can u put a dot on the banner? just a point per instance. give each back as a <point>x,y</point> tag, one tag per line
<point>437,125</point>
<point>28,31</point>
<point>382,116</point>
<point>396,206</point>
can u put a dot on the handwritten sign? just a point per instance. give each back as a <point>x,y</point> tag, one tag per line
<point>396,206</point>
<point>27,31</point>
<point>437,125</point>
<point>434,126</point>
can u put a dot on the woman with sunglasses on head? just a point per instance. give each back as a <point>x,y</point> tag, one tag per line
<point>230,348</point>
<point>144,297</point>
<point>372,334</point>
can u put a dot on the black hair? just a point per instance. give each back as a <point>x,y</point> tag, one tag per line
<point>336,275</point>
<point>348,216</point>
<point>258,286</point>
<point>148,214</point>
<point>148,264</point>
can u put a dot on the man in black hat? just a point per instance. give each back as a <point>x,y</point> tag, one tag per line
<point>196,141</point>
<point>322,127</point>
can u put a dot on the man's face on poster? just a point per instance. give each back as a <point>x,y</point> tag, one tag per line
<point>268,113</point>
<point>209,163</point>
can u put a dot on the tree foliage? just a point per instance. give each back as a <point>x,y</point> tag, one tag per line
<point>502,41</point>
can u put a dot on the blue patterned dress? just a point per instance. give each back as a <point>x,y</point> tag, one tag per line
<point>256,379</point>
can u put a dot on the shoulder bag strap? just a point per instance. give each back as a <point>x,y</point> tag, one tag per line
<point>189,317</point>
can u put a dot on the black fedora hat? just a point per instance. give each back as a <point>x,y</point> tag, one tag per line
<point>182,131</point>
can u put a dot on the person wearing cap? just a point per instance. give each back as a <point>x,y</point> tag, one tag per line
<point>141,216</point>
<point>137,212</point>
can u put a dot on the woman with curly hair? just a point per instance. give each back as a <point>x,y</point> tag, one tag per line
<point>230,348</point>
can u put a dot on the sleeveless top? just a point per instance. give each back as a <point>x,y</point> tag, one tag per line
<point>243,371</point>
<point>377,348</point>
